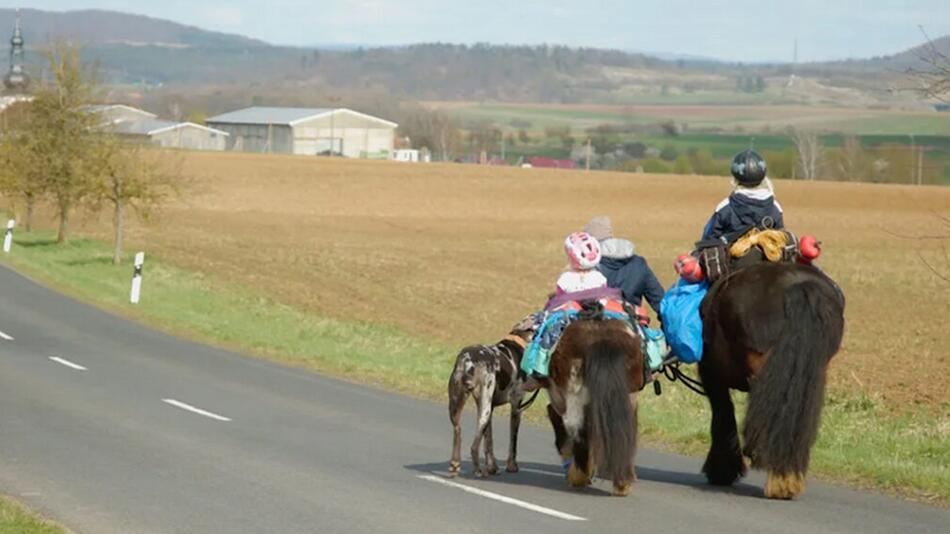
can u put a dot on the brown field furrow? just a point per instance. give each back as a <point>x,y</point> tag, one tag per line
<point>457,253</point>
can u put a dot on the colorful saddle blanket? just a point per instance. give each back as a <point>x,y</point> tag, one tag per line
<point>537,356</point>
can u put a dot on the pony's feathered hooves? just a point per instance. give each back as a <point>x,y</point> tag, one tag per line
<point>576,477</point>
<point>622,490</point>
<point>786,486</point>
<point>724,469</point>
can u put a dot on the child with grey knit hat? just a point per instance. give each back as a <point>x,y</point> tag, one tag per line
<point>622,267</point>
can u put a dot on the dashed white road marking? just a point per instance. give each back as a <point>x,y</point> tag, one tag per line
<point>6,336</point>
<point>199,411</point>
<point>67,363</point>
<point>502,498</point>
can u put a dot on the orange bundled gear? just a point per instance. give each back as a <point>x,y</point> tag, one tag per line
<point>772,243</point>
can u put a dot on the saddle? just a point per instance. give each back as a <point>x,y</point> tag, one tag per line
<point>718,258</point>
<point>559,314</point>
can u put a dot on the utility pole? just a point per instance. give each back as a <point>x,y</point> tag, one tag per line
<point>920,165</point>
<point>913,151</point>
<point>587,164</point>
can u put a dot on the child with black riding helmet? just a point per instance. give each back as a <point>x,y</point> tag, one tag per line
<point>752,202</point>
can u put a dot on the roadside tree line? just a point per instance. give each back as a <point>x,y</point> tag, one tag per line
<point>55,150</point>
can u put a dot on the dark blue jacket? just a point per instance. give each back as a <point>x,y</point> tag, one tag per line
<point>633,277</point>
<point>738,213</point>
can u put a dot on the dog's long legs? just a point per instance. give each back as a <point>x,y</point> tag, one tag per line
<point>512,466</point>
<point>491,465</point>
<point>457,396</point>
<point>484,390</point>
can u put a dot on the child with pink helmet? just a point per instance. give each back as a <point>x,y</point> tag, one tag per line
<point>581,274</point>
<point>583,255</point>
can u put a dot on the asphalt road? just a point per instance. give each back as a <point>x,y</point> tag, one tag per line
<point>110,427</point>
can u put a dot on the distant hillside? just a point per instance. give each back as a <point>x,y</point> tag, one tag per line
<point>98,27</point>
<point>941,44</point>
<point>149,53</point>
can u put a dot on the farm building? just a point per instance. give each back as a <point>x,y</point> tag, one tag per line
<point>412,155</point>
<point>137,125</point>
<point>551,163</point>
<point>308,131</point>
<point>170,134</point>
<point>114,113</point>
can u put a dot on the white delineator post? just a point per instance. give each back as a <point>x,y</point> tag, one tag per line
<point>137,278</point>
<point>8,238</point>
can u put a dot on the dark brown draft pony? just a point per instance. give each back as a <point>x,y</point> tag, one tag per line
<point>769,329</point>
<point>595,375</point>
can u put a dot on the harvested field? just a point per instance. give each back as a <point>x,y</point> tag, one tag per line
<point>457,253</point>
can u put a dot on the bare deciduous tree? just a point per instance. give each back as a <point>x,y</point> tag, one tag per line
<point>810,152</point>
<point>933,79</point>
<point>131,177</point>
<point>64,152</point>
<point>852,161</point>
<point>21,173</point>
<point>431,129</point>
<point>61,131</point>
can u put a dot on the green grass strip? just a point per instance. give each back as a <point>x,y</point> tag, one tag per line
<point>14,519</point>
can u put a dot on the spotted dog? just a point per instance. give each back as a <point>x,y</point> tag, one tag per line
<point>492,375</point>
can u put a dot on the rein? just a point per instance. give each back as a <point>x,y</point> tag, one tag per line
<point>530,401</point>
<point>518,340</point>
<point>673,373</point>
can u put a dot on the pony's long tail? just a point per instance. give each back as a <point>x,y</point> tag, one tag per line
<point>786,396</point>
<point>612,419</point>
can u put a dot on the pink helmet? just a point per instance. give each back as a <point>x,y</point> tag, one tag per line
<point>582,250</point>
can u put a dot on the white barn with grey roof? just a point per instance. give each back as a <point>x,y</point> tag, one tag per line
<point>140,126</point>
<point>170,134</point>
<point>113,113</point>
<point>307,131</point>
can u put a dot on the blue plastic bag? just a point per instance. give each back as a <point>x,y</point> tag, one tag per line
<point>681,321</point>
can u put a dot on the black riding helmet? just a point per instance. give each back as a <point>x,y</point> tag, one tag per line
<point>748,168</point>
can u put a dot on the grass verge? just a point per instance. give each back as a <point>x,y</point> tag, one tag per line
<point>14,519</point>
<point>860,443</point>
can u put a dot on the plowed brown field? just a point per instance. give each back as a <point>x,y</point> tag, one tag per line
<point>459,252</point>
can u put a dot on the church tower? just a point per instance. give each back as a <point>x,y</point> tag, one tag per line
<point>16,79</point>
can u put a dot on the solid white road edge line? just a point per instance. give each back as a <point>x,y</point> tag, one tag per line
<point>502,498</point>
<point>5,336</point>
<point>199,411</point>
<point>67,363</point>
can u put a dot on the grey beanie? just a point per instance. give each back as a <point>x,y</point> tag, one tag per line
<point>600,228</point>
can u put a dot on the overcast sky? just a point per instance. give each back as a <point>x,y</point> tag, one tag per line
<point>739,30</point>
